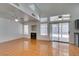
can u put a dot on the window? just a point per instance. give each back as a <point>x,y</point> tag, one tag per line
<point>43,19</point>
<point>63,17</point>
<point>66,17</point>
<point>43,29</point>
<point>25,29</point>
<point>54,18</point>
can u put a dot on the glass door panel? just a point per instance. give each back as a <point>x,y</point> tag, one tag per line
<point>60,32</point>
<point>65,32</point>
<point>55,32</point>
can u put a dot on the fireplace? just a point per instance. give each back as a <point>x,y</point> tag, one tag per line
<point>33,35</point>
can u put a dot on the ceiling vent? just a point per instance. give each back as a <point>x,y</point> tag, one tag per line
<point>59,16</point>
<point>33,14</point>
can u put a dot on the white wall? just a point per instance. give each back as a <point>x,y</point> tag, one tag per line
<point>74,15</point>
<point>39,37</point>
<point>9,30</point>
<point>29,27</point>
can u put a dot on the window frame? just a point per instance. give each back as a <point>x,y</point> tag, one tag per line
<point>65,17</point>
<point>46,29</point>
<point>46,20</point>
<point>26,32</point>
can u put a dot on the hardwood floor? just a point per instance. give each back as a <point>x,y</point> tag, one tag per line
<point>25,47</point>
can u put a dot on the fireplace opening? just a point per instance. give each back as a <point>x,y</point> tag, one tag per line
<point>33,35</point>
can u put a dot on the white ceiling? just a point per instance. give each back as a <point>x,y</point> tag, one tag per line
<point>45,9</point>
<point>53,9</point>
<point>10,12</point>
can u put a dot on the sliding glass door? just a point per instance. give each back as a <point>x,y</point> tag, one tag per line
<point>55,32</point>
<point>60,32</point>
<point>64,32</point>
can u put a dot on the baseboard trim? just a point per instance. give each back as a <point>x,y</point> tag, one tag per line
<point>61,42</point>
<point>11,39</point>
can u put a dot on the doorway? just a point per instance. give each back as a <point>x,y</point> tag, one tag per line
<point>60,32</point>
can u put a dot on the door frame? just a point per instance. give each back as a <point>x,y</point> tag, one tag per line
<point>57,22</point>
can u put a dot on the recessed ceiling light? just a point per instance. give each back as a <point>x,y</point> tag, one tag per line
<point>16,20</point>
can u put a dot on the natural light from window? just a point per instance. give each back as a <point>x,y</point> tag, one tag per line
<point>43,29</point>
<point>25,29</point>
<point>43,19</point>
<point>63,17</point>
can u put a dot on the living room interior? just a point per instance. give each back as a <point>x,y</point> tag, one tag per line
<point>39,29</point>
